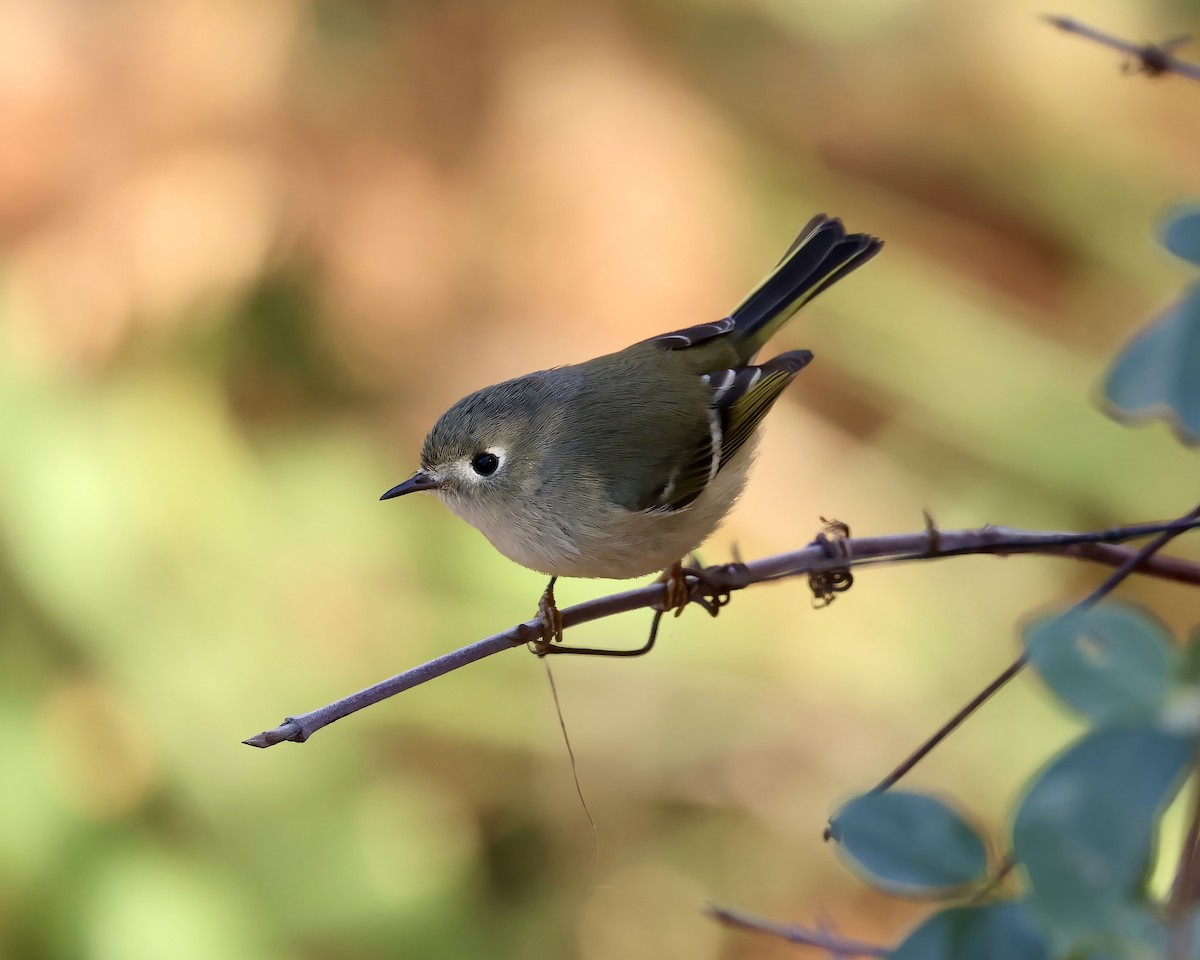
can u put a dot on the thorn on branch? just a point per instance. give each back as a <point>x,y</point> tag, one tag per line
<point>935,536</point>
<point>1147,59</point>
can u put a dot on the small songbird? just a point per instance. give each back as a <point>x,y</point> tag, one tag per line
<point>620,466</point>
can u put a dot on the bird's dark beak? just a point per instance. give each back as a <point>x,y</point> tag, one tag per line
<point>418,481</point>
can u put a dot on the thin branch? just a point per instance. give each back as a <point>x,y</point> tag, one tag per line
<point>814,559</point>
<point>947,728</point>
<point>831,943</point>
<point>1152,59</point>
<point>1164,568</point>
<point>1134,561</point>
<point>988,890</point>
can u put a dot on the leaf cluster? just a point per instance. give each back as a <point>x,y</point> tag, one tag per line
<point>1073,883</point>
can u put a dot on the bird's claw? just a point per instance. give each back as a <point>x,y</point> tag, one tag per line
<point>551,620</point>
<point>687,584</point>
<point>677,592</point>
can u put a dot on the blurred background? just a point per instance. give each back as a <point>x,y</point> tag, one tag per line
<point>250,251</point>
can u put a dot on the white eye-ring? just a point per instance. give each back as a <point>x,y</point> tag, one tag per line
<point>487,462</point>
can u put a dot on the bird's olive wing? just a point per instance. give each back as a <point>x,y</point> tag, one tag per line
<point>741,397</point>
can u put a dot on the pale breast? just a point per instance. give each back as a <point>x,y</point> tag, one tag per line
<point>540,539</point>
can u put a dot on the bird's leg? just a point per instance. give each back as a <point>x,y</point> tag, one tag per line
<point>678,592</point>
<point>552,623</point>
<point>680,582</point>
<point>552,632</point>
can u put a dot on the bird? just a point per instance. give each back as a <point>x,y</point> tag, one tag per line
<point>620,466</point>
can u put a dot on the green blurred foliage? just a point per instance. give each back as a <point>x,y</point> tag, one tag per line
<point>1112,662</point>
<point>992,932</point>
<point>248,252</point>
<point>1154,375</point>
<point>1083,839</point>
<point>1084,834</point>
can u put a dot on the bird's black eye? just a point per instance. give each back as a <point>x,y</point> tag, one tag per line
<point>485,463</point>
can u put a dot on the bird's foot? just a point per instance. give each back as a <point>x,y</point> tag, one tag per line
<point>677,590</point>
<point>687,583</point>
<point>551,620</point>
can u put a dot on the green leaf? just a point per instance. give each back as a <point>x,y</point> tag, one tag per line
<point>1188,670</point>
<point>996,931</point>
<point>1157,374</point>
<point>1109,662</point>
<point>1084,832</point>
<point>909,844</point>
<point>1181,234</point>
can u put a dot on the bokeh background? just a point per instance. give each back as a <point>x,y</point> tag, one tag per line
<point>249,252</point>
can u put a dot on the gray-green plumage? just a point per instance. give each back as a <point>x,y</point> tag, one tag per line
<point>621,465</point>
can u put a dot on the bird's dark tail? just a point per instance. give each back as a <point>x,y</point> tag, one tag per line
<point>819,257</point>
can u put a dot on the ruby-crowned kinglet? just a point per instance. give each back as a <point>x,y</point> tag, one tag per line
<point>619,466</point>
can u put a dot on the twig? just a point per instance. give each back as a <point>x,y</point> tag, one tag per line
<point>1132,562</point>
<point>838,946</point>
<point>947,728</point>
<point>815,558</point>
<point>1152,59</point>
<point>985,893</point>
<point>1164,568</point>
